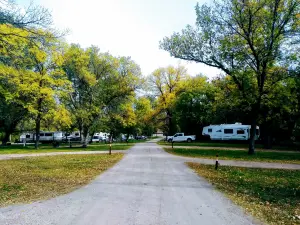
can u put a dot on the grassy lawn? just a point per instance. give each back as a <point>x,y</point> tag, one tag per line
<point>280,157</point>
<point>226,145</point>
<point>32,179</point>
<point>271,195</point>
<point>209,144</point>
<point>13,149</point>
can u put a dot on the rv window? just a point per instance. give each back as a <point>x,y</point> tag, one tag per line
<point>76,134</point>
<point>228,131</point>
<point>27,135</point>
<point>42,134</point>
<point>218,131</point>
<point>209,130</point>
<point>48,134</point>
<point>240,132</point>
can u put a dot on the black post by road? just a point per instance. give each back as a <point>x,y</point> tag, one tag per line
<point>172,144</point>
<point>217,162</point>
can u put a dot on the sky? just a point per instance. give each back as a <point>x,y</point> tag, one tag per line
<point>127,28</point>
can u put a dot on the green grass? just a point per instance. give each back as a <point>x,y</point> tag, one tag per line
<point>271,195</point>
<point>227,145</point>
<point>209,144</point>
<point>13,149</point>
<point>31,179</point>
<point>280,157</point>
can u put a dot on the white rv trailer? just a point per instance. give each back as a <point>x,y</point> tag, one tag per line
<point>235,131</point>
<point>27,137</point>
<point>45,136</point>
<point>100,137</point>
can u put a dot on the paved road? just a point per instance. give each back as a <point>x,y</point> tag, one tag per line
<point>250,164</point>
<point>148,187</point>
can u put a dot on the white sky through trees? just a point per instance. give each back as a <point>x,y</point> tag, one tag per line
<point>126,27</point>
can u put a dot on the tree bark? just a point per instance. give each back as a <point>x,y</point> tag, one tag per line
<point>170,123</point>
<point>37,131</point>
<point>85,137</point>
<point>6,137</point>
<point>251,150</point>
<point>38,122</point>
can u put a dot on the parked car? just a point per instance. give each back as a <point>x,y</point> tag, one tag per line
<point>100,137</point>
<point>180,137</point>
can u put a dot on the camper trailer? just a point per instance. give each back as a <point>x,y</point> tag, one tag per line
<point>45,136</point>
<point>74,136</point>
<point>100,137</point>
<point>27,137</point>
<point>235,131</point>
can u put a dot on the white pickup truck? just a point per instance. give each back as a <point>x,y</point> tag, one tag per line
<point>180,137</point>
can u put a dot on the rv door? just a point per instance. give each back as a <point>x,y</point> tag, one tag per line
<point>217,135</point>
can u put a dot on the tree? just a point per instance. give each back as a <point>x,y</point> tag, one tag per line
<point>166,84</point>
<point>11,114</point>
<point>251,41</point>
<point>120,118</point>
<point>193,108</point>
<point>145,122</point>
<point>50,81</point>
<point>24,23</point>
<point>99,81</point>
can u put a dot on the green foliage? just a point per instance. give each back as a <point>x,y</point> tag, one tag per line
<point>103,86</point>
<point>193,107</point>
<point>167,84</point>
<point>248,41</point>
<point>31,77</point>
<point>144,111</point>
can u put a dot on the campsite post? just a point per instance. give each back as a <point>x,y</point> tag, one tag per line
<point>217,162</point>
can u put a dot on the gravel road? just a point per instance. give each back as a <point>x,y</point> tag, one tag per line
<point>147,187</point>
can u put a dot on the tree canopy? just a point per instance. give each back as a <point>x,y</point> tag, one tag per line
<point>252,41</point>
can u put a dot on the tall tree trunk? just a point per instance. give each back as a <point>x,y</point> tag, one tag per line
<point>38,123</point>
<point>85,137</point>
<point>37,131</point>
<point>255,114</point>
<point>6,137</point>
<point>251,150</point>
<point>170,123</point>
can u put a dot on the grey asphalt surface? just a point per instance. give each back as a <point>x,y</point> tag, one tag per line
<point>147,187</point>
<point>250,164</point>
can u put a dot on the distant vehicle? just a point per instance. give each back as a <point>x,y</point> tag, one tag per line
<point>180,137</point>
<point>74,136</point>
<point>235,131</point>
<point>100,137</point>
<point>140,137</point>
<point>124,137</point>
<point>27,137</point>
<point>45,136</point>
